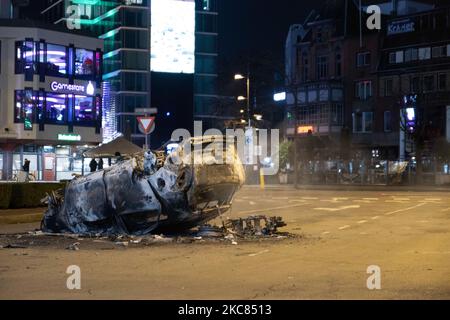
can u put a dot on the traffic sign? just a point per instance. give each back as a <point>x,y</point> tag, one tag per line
<point>146,124</point>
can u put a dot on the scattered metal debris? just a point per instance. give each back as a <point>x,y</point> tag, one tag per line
<point>254,225</point>
<point>74,246</point>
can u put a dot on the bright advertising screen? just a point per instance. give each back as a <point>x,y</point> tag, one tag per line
<point>173,36</point>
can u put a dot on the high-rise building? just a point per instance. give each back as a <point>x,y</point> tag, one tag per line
<point>158,54</point>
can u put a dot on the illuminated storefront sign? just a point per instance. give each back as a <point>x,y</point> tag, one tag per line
<point>59,87</point>
<point>69,137</point>
<point>305,129</point>
<point>402,26</point>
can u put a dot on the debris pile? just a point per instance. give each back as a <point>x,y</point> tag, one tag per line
<point>254,225</point>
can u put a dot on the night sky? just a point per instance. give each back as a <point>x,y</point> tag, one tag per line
<point>249,27</point>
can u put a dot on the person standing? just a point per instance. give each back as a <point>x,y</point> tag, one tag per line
<point>93,165</point>
<point>26,166</point>
<point>100,164</point>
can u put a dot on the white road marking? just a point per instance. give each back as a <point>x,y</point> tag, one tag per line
<point>326,232</point>
<point>339,198</point>
<point>258,253</point>
<point>344,227</point>
<point>291,201</point>
<point>310,198</point>
<point>371,199</point>
<point>362,221</point>
<point>405,209</point>
<point>252,203</point>
<point>280,198</point>
<point>433,199</point>
<point>401,199</point>
<point>362,201</point>
<point>375,218</point>
<point>338,208</point>
<point>271,209</point>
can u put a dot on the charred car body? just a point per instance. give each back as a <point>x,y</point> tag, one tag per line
<point>150,192</point>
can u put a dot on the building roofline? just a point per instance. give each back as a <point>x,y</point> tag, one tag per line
<point>19,23</point>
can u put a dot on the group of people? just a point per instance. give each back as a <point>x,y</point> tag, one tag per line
<point>94,165</point>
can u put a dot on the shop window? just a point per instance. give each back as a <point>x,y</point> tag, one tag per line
<point>25,108</point>
<point>438,52</point>
<point>25,57</point>
<point>56,60</point>
<point>56,108</point>
<point>84,109</point>
<point>84,62</point>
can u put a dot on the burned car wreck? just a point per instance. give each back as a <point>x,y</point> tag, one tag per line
<point>150,192</point>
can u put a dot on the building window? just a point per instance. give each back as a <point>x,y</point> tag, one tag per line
<point>305,69</point>
<point>387,121</point>
<point>56,60</point>
<point>428,83</point>
<point>411,54</point>
<point>424,53</point>
<point>312,94</point>
<point>56,108</point>
<point>363,122</point>
<point>415,85</point>
<point>84,109</point>
<point>438,52</point>
<point>442,81</point>
<point>336,114</point>
<point>337,94</point>
<point>396,57</point>
<point>338,65</point>
<point>388,87</point>
<point>322,67</point>
<point>25,109</point>
<point>84,62</point>
<point>363,90</point>
<point>363,59</point>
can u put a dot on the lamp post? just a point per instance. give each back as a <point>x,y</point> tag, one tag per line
<point>240,98</point>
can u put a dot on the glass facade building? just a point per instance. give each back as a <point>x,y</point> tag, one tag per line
<point>132,50</point>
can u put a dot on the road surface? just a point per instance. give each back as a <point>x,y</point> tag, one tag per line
<point>340,235</point>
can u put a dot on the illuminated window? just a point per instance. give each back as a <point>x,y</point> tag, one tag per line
<point>56,60</point>
<point>25,108</point>
<point>56,108</point>
<point>84,62</point>
<point>84,109</point>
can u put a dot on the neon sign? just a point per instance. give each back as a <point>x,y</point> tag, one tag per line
<point>56,86</point>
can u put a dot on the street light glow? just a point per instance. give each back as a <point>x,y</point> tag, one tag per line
<point>241,98</point>
<point>238,76</point>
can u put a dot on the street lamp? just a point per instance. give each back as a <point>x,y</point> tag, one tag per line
<point>239,76</point>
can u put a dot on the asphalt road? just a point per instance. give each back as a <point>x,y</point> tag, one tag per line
<point>342,233</point>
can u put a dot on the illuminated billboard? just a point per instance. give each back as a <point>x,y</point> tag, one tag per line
<point>173,36</point>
